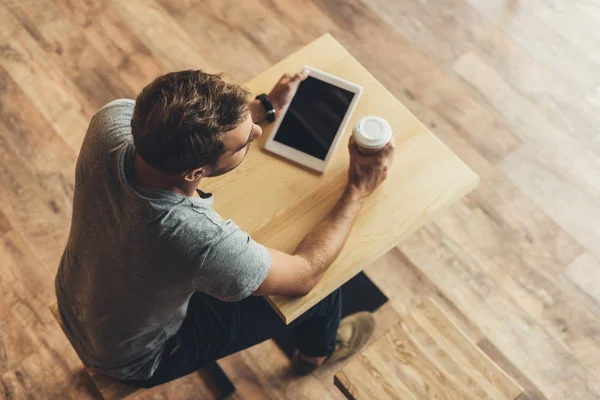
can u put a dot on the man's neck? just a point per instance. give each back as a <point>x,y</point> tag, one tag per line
<point>151,178</point>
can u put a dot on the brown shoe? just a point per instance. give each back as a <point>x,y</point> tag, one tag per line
<point>354,333</point>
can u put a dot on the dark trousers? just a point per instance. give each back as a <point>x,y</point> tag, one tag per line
<point>213,329</point>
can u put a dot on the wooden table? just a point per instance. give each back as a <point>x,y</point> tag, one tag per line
<point>278,203</point>
<point>425,356</point>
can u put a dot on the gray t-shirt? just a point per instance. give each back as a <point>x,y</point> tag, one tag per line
<point>134,257</point>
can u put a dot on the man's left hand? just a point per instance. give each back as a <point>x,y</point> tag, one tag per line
<point>284,90</point>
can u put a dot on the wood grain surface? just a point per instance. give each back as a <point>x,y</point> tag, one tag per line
<point>425,356</point>
<point>510,86</point>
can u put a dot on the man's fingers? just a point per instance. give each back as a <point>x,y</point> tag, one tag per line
<point>353,150</point>
<point>300,76</point>
<point>390,147</point>
<point>284,78</point>
<point>293,80</point>
<point>303,75</point>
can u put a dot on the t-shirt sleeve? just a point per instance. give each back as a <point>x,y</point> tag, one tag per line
<point>234,267</point>
<point>110,126</point>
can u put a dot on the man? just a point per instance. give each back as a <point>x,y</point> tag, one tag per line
<point>153,283</point>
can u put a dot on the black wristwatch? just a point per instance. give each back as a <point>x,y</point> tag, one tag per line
<point>269,109</point>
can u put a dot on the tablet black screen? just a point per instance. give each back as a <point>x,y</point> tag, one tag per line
<point>314,117</point>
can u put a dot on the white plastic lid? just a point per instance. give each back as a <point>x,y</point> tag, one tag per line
<point>372,132</point>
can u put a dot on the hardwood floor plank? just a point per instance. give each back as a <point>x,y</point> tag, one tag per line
<point>66,46</point>
<point>563,154</point>
<point>509,224</point>
<point>28,132</point>
<point>585,273</point>
<point>46,161</point>
<point>26,274</point>
<point>28,287</point>
<point>406,287</point>
<point>5,225</point>
<point>568,321</point>
<point>306,19</point>
<point>528,264</point>
<point>531,391</point>
<point>444,31</point>
<point>112,36</point>
<point>42,216</point>
<point>553,49</point>
<point>579,28</point>
<point>593,97</point>
<point>42,375</point>
<point>54,95</point>
<point>463,280</point>
<point>273,369</point>
<point>246,380</point>
<point>191,387</point>
<point>235,36</point>
<point>167,40</point>
<point>385,318</point>
<point>14,345</point>
<point>548,186</point>
<point>589,7</point>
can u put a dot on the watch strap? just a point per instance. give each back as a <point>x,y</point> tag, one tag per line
<point>268,106</point>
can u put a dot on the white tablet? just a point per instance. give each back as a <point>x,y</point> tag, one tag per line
<point>311,125</point>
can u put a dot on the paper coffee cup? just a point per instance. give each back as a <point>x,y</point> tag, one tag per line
<point>371,134</point>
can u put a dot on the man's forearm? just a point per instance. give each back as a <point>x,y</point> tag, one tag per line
<point>324,243</point>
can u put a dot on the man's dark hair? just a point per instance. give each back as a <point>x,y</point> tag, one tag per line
<point>180,117</point>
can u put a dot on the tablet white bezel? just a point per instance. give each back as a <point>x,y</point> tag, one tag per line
<point>306,159</point>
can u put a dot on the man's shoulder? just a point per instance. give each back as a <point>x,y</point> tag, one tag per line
<point>192,215</point>
<point>113,120</point>
<point>207,215</point>
<point>116,106</point>
<point>195,226</point>
<point>109,129</point>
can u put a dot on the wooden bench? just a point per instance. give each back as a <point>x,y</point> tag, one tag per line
<point>425,356</point>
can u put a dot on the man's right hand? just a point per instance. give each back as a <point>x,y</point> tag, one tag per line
<point>367,172</point>
<point>297,274</point>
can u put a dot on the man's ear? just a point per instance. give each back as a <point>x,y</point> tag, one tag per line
<point>194,175</point>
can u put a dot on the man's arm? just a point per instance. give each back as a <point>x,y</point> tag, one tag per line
<point>322,246</point>
<point>297,274</point>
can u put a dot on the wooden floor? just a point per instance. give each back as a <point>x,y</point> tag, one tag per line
<point>511,86</point>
